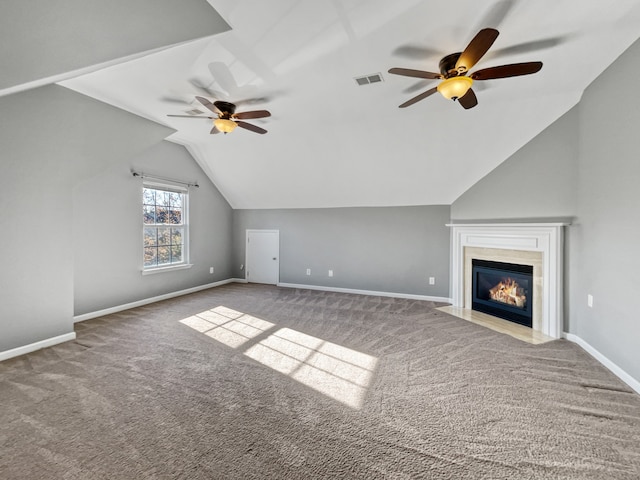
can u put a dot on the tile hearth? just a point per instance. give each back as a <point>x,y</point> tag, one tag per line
<point>520,332</point>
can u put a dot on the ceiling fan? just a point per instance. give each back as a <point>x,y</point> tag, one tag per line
<point>456,84</point>
<point>226,119</point>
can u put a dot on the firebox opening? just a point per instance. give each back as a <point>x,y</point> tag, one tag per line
<point>504,290</point>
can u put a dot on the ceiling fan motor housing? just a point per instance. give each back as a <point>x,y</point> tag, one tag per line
<point>448,65</point>
<point>225,107</point>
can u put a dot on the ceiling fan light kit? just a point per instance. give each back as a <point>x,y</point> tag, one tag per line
<point>455,87</point>
<point>225,125</point>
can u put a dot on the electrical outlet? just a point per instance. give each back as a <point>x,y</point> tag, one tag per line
<point>211,270</point>
<point>590,300</point>
<point>308,271</point>
<point>432,280</point>
<point>331,273</point>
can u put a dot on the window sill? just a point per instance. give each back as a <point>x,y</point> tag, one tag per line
<point>169,268</point>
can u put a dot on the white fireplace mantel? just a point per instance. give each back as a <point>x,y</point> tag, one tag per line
<point>546,238</point>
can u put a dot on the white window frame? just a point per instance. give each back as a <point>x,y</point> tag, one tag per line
<point>176,188</point>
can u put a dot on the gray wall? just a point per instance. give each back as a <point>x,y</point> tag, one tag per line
<point>606,261</point>
<point>51,139</point>
<point>107,232</point>
<point>538,181</point>
<point>389,249</point>
<point>588,162</point>
<point>41,38</point>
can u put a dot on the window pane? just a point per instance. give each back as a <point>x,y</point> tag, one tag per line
<point>163,198</point>
<point>175,216</point>
<point>175,199</point>
<point>164,255</point>
<point>162,215</point>
<point>150,237</point>
<point>176,236</point>
<point>148,196</point>
<point>150,257</point>
<point>164,236</point>
<point>149,214</point>
<point>176,254</point>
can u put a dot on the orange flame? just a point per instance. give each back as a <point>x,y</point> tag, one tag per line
<point>508,291</point>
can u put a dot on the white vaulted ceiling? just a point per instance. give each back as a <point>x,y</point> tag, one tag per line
<point>333,143</point>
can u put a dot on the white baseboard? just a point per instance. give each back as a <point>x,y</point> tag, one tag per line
<point>32,347</point>
<point>367,292</point>
<point>619,372</point>
<point>147,301</point>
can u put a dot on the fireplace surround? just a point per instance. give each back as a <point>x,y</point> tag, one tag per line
<point>538,245</point>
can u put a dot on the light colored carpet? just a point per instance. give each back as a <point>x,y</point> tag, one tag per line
<point>259,382</point>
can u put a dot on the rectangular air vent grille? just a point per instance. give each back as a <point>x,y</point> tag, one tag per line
<point>195,111</point>
<point>367,79</point>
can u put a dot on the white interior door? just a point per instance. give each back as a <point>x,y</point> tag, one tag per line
<point>263,256</point>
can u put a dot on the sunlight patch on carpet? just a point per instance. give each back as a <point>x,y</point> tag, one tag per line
<point>227,326</point>
<point>333,370</point>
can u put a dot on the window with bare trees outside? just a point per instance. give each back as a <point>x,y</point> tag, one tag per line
<point>164,212</point>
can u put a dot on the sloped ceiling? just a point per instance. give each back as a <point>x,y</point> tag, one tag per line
<point>41,38</point>
<point>333,143</point>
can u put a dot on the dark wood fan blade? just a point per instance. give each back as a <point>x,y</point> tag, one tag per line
<point>249,126</point>
<point>503,71</point>
<point>422,96</point>
<point>208,104</point>
<point>214,130</point>
<point>407,72</point>
<point>190,116</point>
<point>253,114</point>
<point>468,100</point>
<point>476,48</point>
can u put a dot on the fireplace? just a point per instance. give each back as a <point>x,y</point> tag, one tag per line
<point>504,290</point>
<point>537,244</point>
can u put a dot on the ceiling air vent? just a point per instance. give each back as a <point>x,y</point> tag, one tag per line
<point>195,111</point>
<point>367,79</point>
